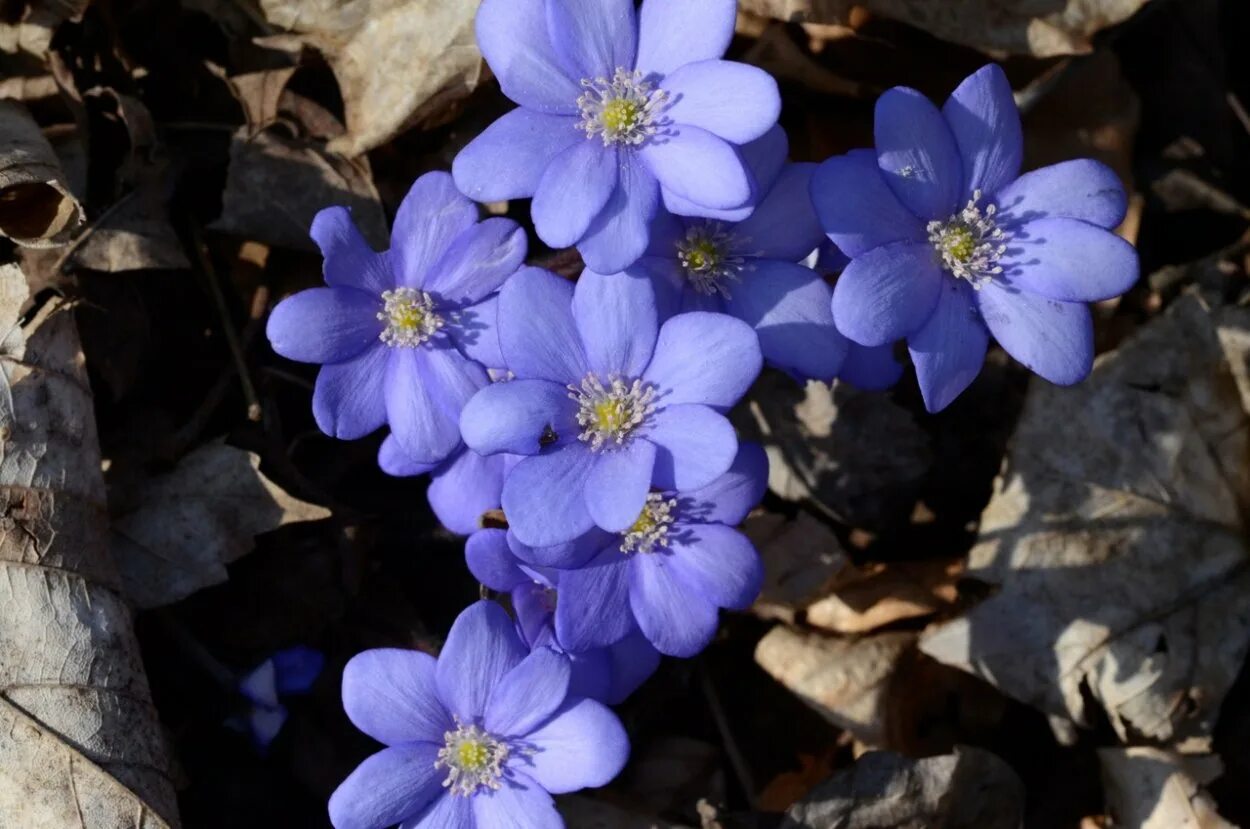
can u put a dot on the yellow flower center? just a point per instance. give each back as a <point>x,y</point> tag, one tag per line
<point>473,755</point>
<point>409,316</point>
<point>649,532</point>
<point>620,115</point>
<point>609,414</point>
<point>960,244</point>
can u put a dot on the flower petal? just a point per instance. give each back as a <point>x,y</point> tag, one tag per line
<point>784,225</point>
<point>426,389</point>
<point>887,293</point>
<point>478,262</point>
<point>857,209</point>
<point>324,325</point>
<point>544,498</point>
<point>593,609</point>
<point>616,318</point>
<point>513,37</point>
<point>491,562</point>
<point>573,192</point>
<point>949,349</point>
<point>474,330</point>
<point>789,308</point>
<point>718,563</point>
<point>392,785</point>
<point>390,694</point>
<point>519,417</point>
<point>1081,189</point>
<point>519,803</point>
<point>480,649</point>
<point>537,333</point>
<point>675,618</point>
<point>983,117</point>
<point>464,488</point>
<point>1070,261</point>
<point>633,660</point>
<point>569,555</point>
<point>618,485</point>
<point>593,39</point>
<point>871,368</point>
<point>529,693</point>
<point>673,33</point>
<point>699,167</point>
<point>917,154</point>
<point>582,746</point>
<point>696,445</point>
<point>728,499</point>
<point>618,236</point>
<point>393,461</point>
<point>731,100</point>
<point>509,158</point>
<point>349,399</point>
<point>764,158</point>
<point>430,218</point>
<point>592,673</point>
<point>1053,339</point>
<point>349,260</point>
<point>668,282</point>
<point>445,812</point>
<point>704,358</point>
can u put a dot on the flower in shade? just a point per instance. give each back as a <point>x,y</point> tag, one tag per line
<point>669,572</point>
<point>462,488</point>
<point>747,266</point>
<point>481,737</point>
<point>619,110</point>
<point>609,674</point>
<point>288,672</point>
<point>402,336</point>
<point>606,402</point>
<point>950,245</point>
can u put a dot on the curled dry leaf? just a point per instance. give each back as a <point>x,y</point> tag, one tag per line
<point>188,525</point>
<point>1149,788</point>
<point>78,728</point>
<point>36,206</point>
<point>970,789</point>
<point>397,61</point>
<point>1116,542</point>
<point>863,599</point>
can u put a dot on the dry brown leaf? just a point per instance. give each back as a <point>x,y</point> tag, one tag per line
<point>1017,27</point>
<point>258,93</point>
<point>1116,541</point>
<point>1148,788</point>
<point>36,206</point>
<point>863,599</point>
<point>397,61</point>
<point>802,557</point>
<point>32,33</point>
<point>188,525</point>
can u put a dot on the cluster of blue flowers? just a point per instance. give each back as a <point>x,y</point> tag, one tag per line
<point>594,414</point>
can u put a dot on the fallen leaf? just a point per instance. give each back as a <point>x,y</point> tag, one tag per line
<point>970,789</point>
<point>1149,788</point>
<point>863,599</point>
<point>258,93</point>
<point>188,525</point>
<point>32,32</point>
<point>801,557</point>
<point>36,206</point>
<point>1115,540</point>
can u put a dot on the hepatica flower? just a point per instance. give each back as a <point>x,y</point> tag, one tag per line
<point>619,110</point>
<point>288,672</point>
<point>402,336</point>
<point>949,244</point>
<point>606,402</point>
<point>480,737</point>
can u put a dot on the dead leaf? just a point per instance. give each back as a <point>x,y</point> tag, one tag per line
<point>801,557</point>
<point>32,33</point>
<point>863,599</point>
<point>1115,538</point>
<point>1016,27</point>
<point>396,61</point>
<point>258,93</point>
<point>188,525</point>
<point>1148,788</point>
<point>36,206</point>
<point>970,789</point>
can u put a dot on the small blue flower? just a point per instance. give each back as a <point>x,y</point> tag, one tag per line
<point>403,335</point>
<point>950,245</point>
<point>606,402</point>
<point>668,573</point>
<point>618,111</point>
<point>609,674</point>
<point>477,739</point>
<point>287,672</point>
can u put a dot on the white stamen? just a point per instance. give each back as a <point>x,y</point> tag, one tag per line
<point>970,243</point>
<point>473,758</point>
<point>609,414</point>
<point>623,110</point>
<point>409,316</point>
<point>707,254</point>
<point>650,531</point>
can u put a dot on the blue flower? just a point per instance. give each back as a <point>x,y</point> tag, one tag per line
<point>609,674</point>
<point>870,368</point>
<point>287,672</point>
<point>949,244</point>
<point>462,488</point>
<point>606,402</point>
<point>403,335</point>
<point>480,737</point>
<point>668,573</point>
<point>618,111</point>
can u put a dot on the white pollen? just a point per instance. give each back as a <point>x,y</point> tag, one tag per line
<point>649,532</point>
<point>970,243</point>
<point>473,758</point>
<point>624,110</point>
<point>410,318</point>
<point>610,414</point>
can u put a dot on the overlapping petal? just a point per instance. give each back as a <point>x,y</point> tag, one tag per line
<point>949,349</point>
<point>430,218</point>
<point>857,209</point>
<point>731,100</point>
<point>537,332</point>
<point>324,325</point>
<point>887,293</point>
<point>543,497</point>
<point>983,117</point>
<point>513,37</point>
<point>704,358</point>
<point>917,154</point>
<point>481,649</point>
<point>508,159</point>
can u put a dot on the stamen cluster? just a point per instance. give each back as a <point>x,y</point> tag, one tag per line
<point>609,414</point>
<point>473,758</point>
<point>409,316</point>
<point>707,255</point>
<point>623,110</point>
<point>650,531</point>
<point>970,242</point>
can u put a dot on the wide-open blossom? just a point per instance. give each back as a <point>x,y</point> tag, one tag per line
<point>949,244</point>
<point>402,336</point>
<point>609,674</point>
<point>748,267</point>
<point>606,402</point>
<point>619,111</point>
<point>477,739</point>
<point>669,572</point>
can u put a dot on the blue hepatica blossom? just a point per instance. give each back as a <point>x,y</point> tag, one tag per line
<point>619,110</point>
<point>748,267</point>
<point>949,244</point>
<point>288,672</point>
<point>403,335</point>
<point>609,674</point>
<point>669,572</point>
<point>606,402</point>
<point>477,739</point>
